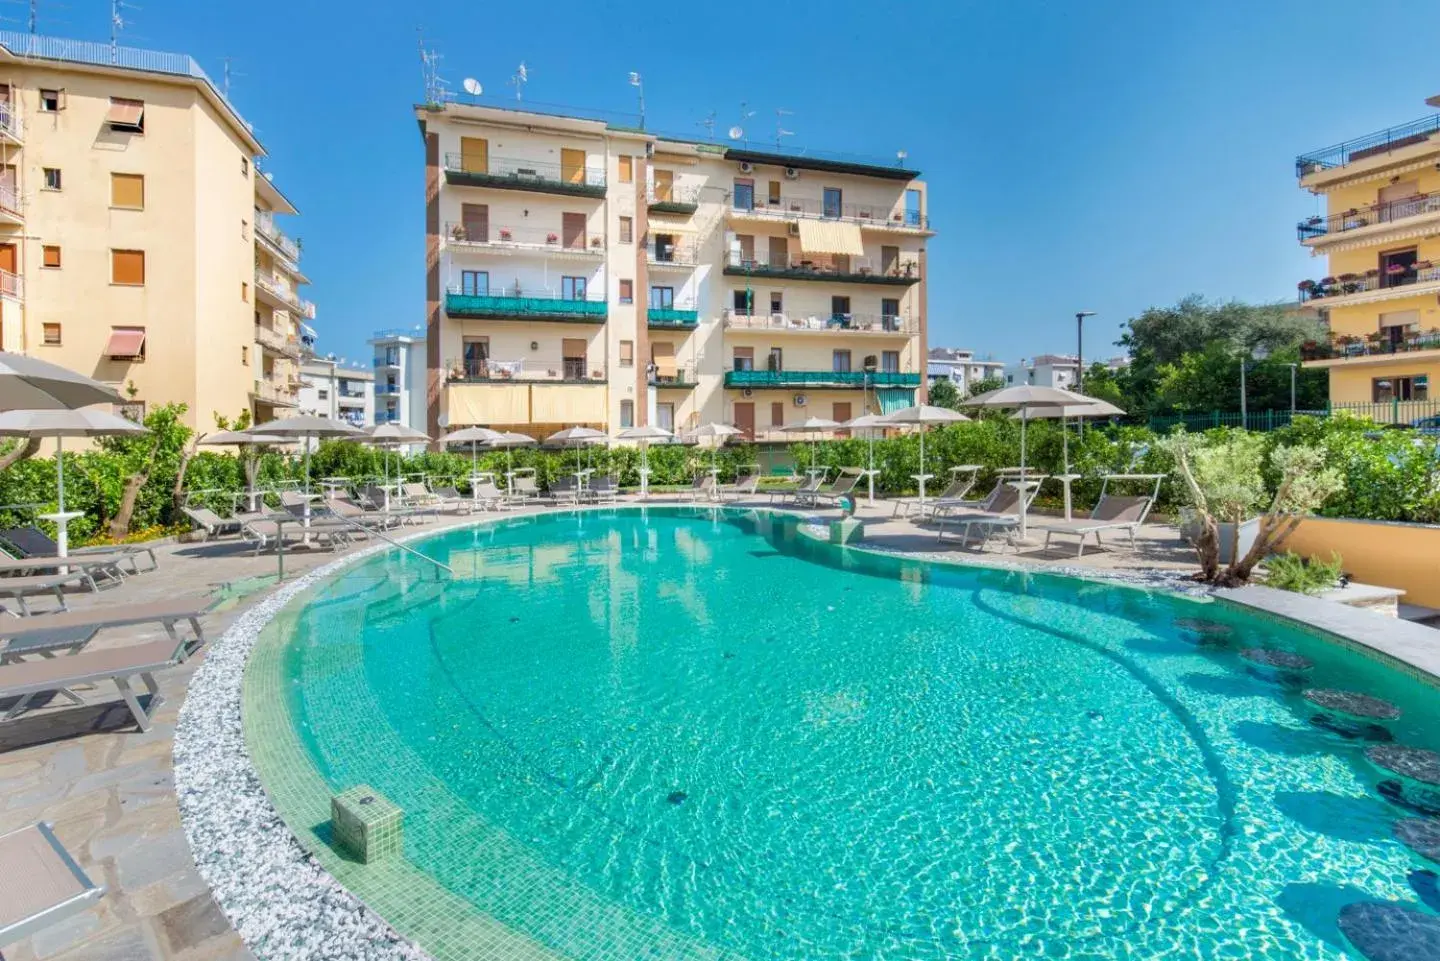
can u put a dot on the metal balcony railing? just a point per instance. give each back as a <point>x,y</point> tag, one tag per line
<point>12,286</point>
<point>820,378</point>
<point>265,227</point>
<point>863,270</point>
<point>1370,145</point>
<point>681,377</point>
<point>677,197</point>
<point>673,316</point>
<point>871,215</point>
<point>851,323</point>
<point>1358,217</point>
<point>283,292</point>
<point>525,238</point>
<point>545,176</point>
<point>1347,346</point>
<point>276,341</point>
<point>671,253</point>
<point>477,370</point>
<point>387,389</point>
<point>280,392</point>
<point>513,304</point>
<point>1327,287</point>
<point>11,203</point>
<point>10,124</point>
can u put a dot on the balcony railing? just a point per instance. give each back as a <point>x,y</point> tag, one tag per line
<point>1366,216</point>
<point>533,175</point>
<point>682,377</point>
<point>526,238</point>
<point>822,323</point>
<point>12,206</point>
<point>389,360</point>
<point>1347,346</point>
<point>12,286</point>
<point>1328,287</point>
<point>10,125</point>
<point>677,199</point>
<point>265,227</point>
<point>820,378</point>
<point>867,215</point>
<point>661,253</point>
<point>540,306</point>
<point>282,292</point>
<point>387,389</point>
<point>833,268</point>
<point>672,317</point>
<point>281,392</point>
<point>1381,142</point>
<point>280,343</point>
<point>570,370</point>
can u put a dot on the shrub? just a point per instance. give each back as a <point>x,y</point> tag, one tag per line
<point>1291,572</point>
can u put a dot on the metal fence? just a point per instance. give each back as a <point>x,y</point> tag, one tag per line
<point>1401,412</point>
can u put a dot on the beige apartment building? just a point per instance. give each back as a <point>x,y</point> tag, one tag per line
<point>137,239</point>
<point>582,273</point>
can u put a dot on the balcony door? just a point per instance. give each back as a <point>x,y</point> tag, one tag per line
<point>664,248</point>
<point>474,155</point>
<point>840,311</point>
<point>744,358</point>
<point>779,252</point>
<point>572,288</point>
<point>840,361</point>
<point>889,261</point>
<point>745,418</point>
<point>475,283</point>
<point>475,222</point>
<point>572,165</point>
<point>776,360</point>
<point>477,357</point>
<point>662,298</point>
<point>831,203</point>
<point>572,231</point>
<point>1397,268</point>
<point>573,351</point>
<point>664,186</point>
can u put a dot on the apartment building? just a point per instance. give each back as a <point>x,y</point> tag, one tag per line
<point>1379,293</point>
<point>960,367</point>
<point>583,273</point>
<point>128,226</point>
<point>330,388</point>
<point>401,376</point>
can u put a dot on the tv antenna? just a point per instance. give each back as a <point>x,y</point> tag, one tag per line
<point>901,156</point>
<point>737,132</point>
<point>472,86</point>
<point>225,77</point>
<point>519,80</point>
<point>430,72</point>
<point>709,124</point>
<point>638,83</point>
<point>117,24</point>
<point>780,114</point>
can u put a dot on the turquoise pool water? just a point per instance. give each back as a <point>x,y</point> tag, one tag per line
<point>678,733</point>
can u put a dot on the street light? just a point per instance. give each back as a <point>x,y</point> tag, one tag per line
<point>1259,352</point>
<point>1293,368</point>
<point>1080,348</point>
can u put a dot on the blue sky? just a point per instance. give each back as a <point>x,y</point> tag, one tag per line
<point>1081,155</point>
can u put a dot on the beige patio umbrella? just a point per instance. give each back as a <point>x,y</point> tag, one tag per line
<point>812,426</point>
<point>508,441</point>
<point>1064,413</point>
<point>580,437</point>
<point>60,423</point>
<point>718,431</point>
<point>307,427</point>
<point>28,384</point>
<point>869,423</point>
<point>645,435</point>
<point>244,439</point>
<point>922,416</point>
<point>391,434</point>
<point>474,436</point>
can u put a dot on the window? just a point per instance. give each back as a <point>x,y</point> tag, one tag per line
<point>777,302</point>
<point>744,358</point>
<point>890,313</point>
<point>830,206</point>
<point>51,101</point>
<point>475,283</point>
<point>890,361</point>
<point>840,411</point>
<point>244,291</point>
<point>477,356</point>
<point>774,198</point>
<point>665,248</point>
<point>1397,268</point>
<point>627,230</point>
<point>52,178</point>
<point>627,170</point>
<point>127,267</point>
<point>322,394</point>
<point>777,413</point>
<point>50,334</point>
<point>627,291</point>
<point>127,115</point>
<point>244,166</point>
<point>244,230</point>
<point>1386,389</point>
<point>744,193</point>
<point>627,413</point>
<point>244,355</point>
<point>662,298</point>
<point>839,311</point>
<point>572,288</point>
<point>840,361</point>
<point>776,360</point>
<point>126,343</point>
<point>50,255</point>
<point>665,416</point>
<point>128,191</point>
<point>627,353</point>
<point>572,352</point>
<point>744,302</point>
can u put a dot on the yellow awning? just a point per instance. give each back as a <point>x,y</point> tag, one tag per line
<point>567,404</point>
<point>471,405</point>
<point>664,356</point>
<point>830,237</point>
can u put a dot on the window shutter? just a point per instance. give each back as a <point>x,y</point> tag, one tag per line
<point>127,190</point>
<point>127,267</point>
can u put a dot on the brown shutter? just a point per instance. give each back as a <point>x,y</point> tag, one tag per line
<point>127,190</point>
<point>127,267</point>
<point>840,411</point>
<point>664,185</point>
<point>777,413</point>
<point>474,155</point>
<point>745,353</point>
<point>627,170</point>
<point>475,218</point>
<point>573,348</point>
<point>572,231</point>
<point>572,165</point>
<point>745,419</point>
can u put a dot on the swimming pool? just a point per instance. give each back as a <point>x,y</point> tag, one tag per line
<point>688,733</point>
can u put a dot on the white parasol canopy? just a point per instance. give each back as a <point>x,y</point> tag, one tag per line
<point>29,384</point>
<point>812,426</point>
<point>308,427</point>
<point>870,424</point>
<point>923,415</point>
<point>474,436</point>
<point>645,435</point>
<point>720,431</point>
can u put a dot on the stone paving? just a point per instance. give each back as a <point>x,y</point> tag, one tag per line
<point>108,789</point>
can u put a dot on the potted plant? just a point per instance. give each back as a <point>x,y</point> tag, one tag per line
<point>594,241</point>
<point>505,233</point>
<point>457,232</point>
<point>1307,289</point>
<point>551,238</point>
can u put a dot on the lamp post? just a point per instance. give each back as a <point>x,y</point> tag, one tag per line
<point>1258,353</point>
<point>1293,368</point>
<point>1080,316</point>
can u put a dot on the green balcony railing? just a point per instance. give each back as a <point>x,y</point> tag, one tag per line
<point>672,317</point>
<point>819,378</point>
<point>554,308</point>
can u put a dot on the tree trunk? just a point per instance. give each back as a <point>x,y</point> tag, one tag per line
<point>177,493</point>
<point>21,452</point>
<point>120,524</point>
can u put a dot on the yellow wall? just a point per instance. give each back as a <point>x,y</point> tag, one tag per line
<point>1360,195</point>
<point>1404,556</point>
<point>1352,384</point>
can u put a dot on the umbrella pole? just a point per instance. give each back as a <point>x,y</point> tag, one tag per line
<point>1065,446</point>
<point>1024,477</point>
<point>921,476</point>
<point>474,474</point>
<point>870,473</point>
<point>644,469</point>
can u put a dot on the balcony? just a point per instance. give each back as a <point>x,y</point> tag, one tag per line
<point>12,205</point>
<point>274,290</point>
<point>276,238</point>
<point>388,360</point>
<point>1350,349</point>
<point>350,400</point>
<point>1347,289</point>
<point>868,216</point>
<point>276,393</point>
<point>534,176</point>
<point>490,370</point>
<point>893,325</point>
<point>528,307</point>
<point>679,378</point>
<point>1376,219</point>
<point>830,268</point>
<point>387,390</point>
<point>11,128</point>
<point>509,240</point>
<point>663,254</point>
<point>674,318</point>
<point>273,340</point>
<point>1371,145</point>
<point>848,379</point>
<point>12,287</point>
<point>663,199</point>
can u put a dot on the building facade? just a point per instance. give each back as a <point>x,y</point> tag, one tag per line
<point>961,368</point>
<point>331,389</point>
<point>582,273</point>
<point>128,229</point>
<point>401,376</point>
<point>1379,293</point>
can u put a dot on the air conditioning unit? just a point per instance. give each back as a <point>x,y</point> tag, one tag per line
<point>747,392</point>
<point>801,400</point>
<point>794,230</point>
<point>791,173</point>
<point>746,167</point>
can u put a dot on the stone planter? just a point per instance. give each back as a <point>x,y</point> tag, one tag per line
<point>1190,530</point>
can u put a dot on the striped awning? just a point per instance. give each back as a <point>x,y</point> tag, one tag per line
<point>895,398</point>
<point>830,237</point>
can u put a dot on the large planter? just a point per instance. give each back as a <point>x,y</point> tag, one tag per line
<point>1190,530</point>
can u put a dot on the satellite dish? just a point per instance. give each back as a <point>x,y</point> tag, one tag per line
<point>736,133</point>
<point>472,87</point>
<point>901,155</point>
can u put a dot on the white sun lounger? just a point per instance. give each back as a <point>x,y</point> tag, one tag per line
<point>1112,512</point>
<point>962,479</point>
<point>40,883</point>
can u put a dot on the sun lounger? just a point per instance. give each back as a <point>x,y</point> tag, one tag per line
<point>747,486</point>
<point>265,532</point>
<point>21,589</point>
<point>830,496</point>
<point>33,542</point>
<point>90,566</point>
<point>523,489</point>
<point>1112,512</point>
<point>999,510</point>
<point>962,479</point>
<point>603,490</point>
<point>701,488</point>
<point>451,500</point>
<point>796,495</point>
<point>349,510</point>
<point>40,883</point>
<point>209,523</point>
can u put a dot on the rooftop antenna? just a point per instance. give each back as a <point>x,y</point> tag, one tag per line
<point>901,156</point>
<point>737,132</point>
<point>709,124</point>
<point>34,15</point>
<point>225,77</point>
<point>430,71</point>
<point>117,24</point>
<point>519,80</point>
<point>639,84</point>
<point>780,114</point>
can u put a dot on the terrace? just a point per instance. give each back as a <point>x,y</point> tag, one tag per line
<point>562,242</point>
<point>1375,347</point>
<point>867,215</point>
<point>1376,144</point>
<point>679,318</point>
<point>531,176</point>
<point>846,379</point>
<point>1403,212</point>
<point>514,305</point>
<point>832,323</point>
<point>491,370</point>
<point>832,268</point>
<point>1395,281</point>
<point>664,198</point>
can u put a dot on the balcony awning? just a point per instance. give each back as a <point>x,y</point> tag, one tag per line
<point>470,405</point>
<point>126,342</point>
<point>894,398</point>
<point>125,113</point>
<point>664,357</point>
<point>567,404</point>
<point>1400,318</point>
<point>830,237</point>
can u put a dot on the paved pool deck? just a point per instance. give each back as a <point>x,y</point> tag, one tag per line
<point>109,790</point>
